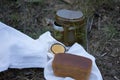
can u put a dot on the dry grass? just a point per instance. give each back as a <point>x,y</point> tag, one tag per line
<point>104,37</point>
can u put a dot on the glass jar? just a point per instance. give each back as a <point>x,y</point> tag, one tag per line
<point>69,27</point>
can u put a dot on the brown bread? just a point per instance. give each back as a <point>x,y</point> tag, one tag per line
<point>57,48</point>
<point>69,65</point>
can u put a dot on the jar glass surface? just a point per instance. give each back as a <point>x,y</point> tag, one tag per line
<point>69,27</point>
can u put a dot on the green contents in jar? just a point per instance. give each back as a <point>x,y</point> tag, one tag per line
<point>70,27</point>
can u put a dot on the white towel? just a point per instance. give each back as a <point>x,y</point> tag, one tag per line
<point>18,50</point>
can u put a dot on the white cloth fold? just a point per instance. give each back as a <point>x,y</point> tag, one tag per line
<point>76,49</point>
<point>18,50</point>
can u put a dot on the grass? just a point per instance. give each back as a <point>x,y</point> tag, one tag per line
<point>38,1</point>
<point>99,38</point>
<point>110,31</point>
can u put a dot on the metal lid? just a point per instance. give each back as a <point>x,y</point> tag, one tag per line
<point>68,17</point>
<point>69,14</point>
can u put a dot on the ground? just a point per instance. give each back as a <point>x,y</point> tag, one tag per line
<point>103,38</point>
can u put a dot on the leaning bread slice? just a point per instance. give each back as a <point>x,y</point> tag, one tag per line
<point>57,48</point>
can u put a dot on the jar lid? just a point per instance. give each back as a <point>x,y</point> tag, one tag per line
<point>68,17</point>
<point>69,14</point>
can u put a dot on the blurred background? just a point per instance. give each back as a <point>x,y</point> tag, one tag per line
<point>33,17</point>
